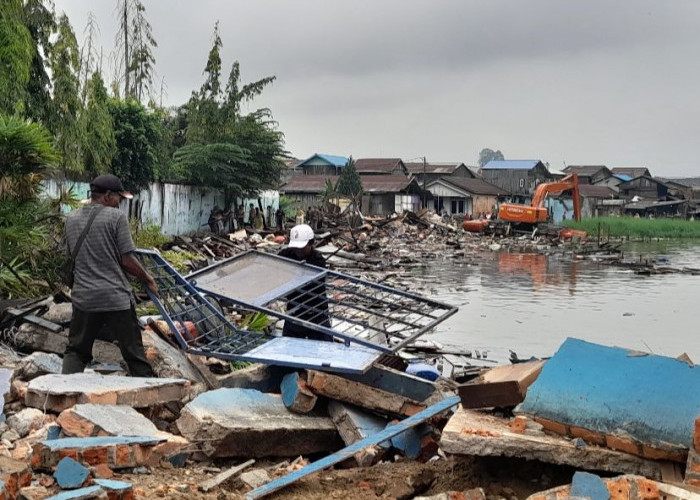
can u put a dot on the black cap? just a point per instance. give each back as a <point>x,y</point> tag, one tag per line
<point>109,182</point>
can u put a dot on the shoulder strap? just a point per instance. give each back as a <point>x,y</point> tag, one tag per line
<point>79,243</point>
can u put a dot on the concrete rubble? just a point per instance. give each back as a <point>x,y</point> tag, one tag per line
<point>73,436</point>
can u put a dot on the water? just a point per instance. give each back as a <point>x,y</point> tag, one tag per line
<point>531,303</point>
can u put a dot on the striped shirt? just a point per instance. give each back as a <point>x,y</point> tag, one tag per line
<point>100,284</point>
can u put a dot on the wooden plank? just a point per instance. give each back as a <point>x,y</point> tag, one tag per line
<point>500,386</point>
<point>345,453</point>
<point>473,433</point>
<point>31,318</point>
<point>215,481</point>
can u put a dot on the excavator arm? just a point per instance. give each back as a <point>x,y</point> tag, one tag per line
<point>535,212</point>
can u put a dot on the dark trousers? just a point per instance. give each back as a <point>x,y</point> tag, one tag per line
<point>120,325</point>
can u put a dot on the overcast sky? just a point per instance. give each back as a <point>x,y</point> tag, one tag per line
<point>565,81</point>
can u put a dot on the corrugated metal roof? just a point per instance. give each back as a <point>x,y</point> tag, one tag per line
<point>474,186</point>
<point>370,183</point>
<point>631,171</point>
<point>376,164</point>
<point>643,205</point>
<point>596,191</point>
<point>432,168</point>
<point>623,177</point>
<point>511,164</point>
<point>336,161</point>
<point>584,170</point>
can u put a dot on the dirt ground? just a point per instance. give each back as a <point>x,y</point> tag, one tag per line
<point>511,479</point>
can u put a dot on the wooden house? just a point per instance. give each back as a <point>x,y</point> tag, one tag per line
<point>380,166</point>
<point>465,195</point>
<point>592,198</point>
<point>322,164</point>
<point>518,177</point>
<point>589,174</point>
<point>425,173</point>
<point>631,172</point>
<point>645,187</point>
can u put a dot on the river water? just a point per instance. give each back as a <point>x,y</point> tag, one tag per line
<point>531,303</point>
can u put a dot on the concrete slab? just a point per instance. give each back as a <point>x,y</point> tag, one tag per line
<point>627,487</point>
<point>106,420</point>
<point>296,396</point>
<point>89,493</point>
<point>116,490</point>
<point>585,484</point>
<point>644,401</point>
<point>251,424</point>
<point>168,361</point>
<point>70,474</point>
<point>38,364</point>
<point>116,452</point>
<point>58,392</point>
<point>472,433</point>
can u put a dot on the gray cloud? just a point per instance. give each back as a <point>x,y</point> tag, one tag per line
<point>561,80</point>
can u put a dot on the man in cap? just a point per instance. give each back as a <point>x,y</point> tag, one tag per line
<point>101,294</point>
<point>308,303</point>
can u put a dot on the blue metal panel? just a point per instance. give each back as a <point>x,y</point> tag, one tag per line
<point>349,451</point>
<point>511,164</point>
<point>653,399</point>
<point>337,161</point>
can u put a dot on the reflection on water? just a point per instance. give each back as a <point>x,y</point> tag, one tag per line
<point>531,303</point>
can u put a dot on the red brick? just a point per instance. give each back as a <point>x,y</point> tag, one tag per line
<point>619,489</point>
<point>647,490</point>
<point>102,471</point>
<point>660,454</point>
<point>589,436</point>
<point>693,482</point>
<point>622,444</point>
<point>123,456</point>
<point>67,452</point>
<point>551,425</point>
<point>696,435</point>
<point>94,456</point>
<point>518,424</point>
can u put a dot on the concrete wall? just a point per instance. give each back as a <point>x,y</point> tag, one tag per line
<point>175,208</point>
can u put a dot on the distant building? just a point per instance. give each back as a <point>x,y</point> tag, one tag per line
<point>518,177</point>
<point>465,195</point>
<point>431,171</point>
<point>322,164</point>
<point>645,187</point>
<point>380,166</point>
<point>593,198</point>
<point>631,172</point>
<point>589,174</point>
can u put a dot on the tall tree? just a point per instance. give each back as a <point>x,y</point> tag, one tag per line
<point>41,22</point>
<point>65,122</point>
<point>349,183</point>
<point>137,134</point>
<point>486,155</point>
<point>99,143</point>
<point>16,54</point>
<point>88,54</point>
<point>142,61</point>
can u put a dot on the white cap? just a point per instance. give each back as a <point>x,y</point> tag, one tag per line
<point>300,235</point>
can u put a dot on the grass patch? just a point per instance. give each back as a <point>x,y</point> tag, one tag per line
<point>148,236</point>
<point>632,228</point>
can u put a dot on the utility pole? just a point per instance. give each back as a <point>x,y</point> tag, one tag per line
<point>424,200</point>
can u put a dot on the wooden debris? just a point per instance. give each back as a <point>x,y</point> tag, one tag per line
<point>215,481</point>
<point>500,386</point>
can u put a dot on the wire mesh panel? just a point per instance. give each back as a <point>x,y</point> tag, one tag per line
<point>335,304</point>
<point>201,328</point>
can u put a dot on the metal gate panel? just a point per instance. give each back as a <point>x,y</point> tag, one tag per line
<point>200,328</point>
<point>335,304</point>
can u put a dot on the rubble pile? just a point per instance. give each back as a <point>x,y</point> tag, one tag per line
<point>214,430</point>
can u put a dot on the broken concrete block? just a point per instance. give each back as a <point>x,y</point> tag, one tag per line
<point>473,494</point>
<point>116,490</point>
<point>585,484</point>
<point>88,493</point>
<point>58,392</point>
<point>27,420</point>
<point>70,474</point>
<point>296,395</point>
<point>116,451</point>
<point>696,435</point>
<point>106,420</point>
<point>5,385</point>
<point>472,433</point>
<point>408,442</point>
<point>692,471</point>
<point>350,390</point>
<point>38,364</point>
<point>255,478</point>
<point>645,396</point>
<point>249,423</point>
<point>354,425</point>
<point>500,386</point>
<point>168,361</point>
<point>33,493</point>
<point>625,487</point>
<point>14,475</point>
<point>263,378</point>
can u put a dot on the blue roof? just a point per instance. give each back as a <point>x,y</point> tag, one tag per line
<point>511,164</point>
<point>337,161</point>
<point>623,177</point>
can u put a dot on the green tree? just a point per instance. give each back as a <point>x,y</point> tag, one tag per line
<point>67,107</point>
<point>349,183</point>
<point>486,155</point>
<point>100,146</point>
<point>142,61</point>
<point>41,22</point>
<point>138,134</point>
<point>16,54</point>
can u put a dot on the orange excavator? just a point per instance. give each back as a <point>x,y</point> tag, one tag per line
<point>535,212</point>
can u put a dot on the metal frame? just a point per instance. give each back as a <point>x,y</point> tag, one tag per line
<point>213,335</point>
<point>352,303</point>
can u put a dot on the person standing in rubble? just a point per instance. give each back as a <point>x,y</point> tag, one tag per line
<point>279,218</point>
<point>308,303</point>
<point>101,294</point>
<point>240,217</point>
